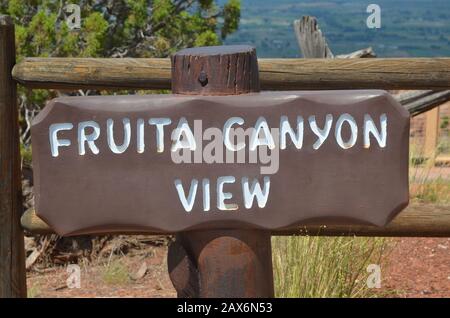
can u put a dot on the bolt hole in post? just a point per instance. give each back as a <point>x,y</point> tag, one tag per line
<point>229,262</point>
<point>203,78</point>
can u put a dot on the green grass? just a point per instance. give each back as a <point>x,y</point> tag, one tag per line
<point>115,273</point>
<point>33,291</point>
<point>310,266</point>
<point>431,190</point>
<point>426,185</point>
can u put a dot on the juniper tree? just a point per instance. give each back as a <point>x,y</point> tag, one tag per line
<point>119,28</point>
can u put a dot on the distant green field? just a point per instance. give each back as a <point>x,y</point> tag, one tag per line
<point>409,27</point>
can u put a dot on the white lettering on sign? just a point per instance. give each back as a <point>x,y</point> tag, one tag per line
<point>346,118</point>
<point>140,125</point>
<point>261,140</point>
<point>250,192</point>
<point>286,129</point>
<point>126,136</point>
<point>370,128</point>
<point>90,139</point>
<point>222,196</point>
<point>183,138</point>
<point>187,202</point>
<point>159,123</point>
<point>206,195</point>
<point>322,134</point>
<point>226,134</point>
<point>267,140</point>
<point>55,143</point>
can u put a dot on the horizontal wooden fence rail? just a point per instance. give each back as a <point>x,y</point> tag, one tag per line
<point>275,74</point>
<point>421,220</point>
<point>417,220</point>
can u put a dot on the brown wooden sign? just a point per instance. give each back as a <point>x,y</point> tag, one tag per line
<point>170,163</point>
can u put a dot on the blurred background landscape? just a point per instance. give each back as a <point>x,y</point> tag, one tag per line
<point>409,28</point>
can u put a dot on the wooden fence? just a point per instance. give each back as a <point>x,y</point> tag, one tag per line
<point>275,74</point>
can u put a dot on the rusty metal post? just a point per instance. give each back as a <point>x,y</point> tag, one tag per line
<point>221,263</point>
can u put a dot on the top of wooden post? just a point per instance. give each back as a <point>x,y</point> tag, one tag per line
<point>215,70</point>
<point>5,20</point>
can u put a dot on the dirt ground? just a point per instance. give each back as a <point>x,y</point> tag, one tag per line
<point>418,267</point>
<point>415,267</point>
<point>97,281</point>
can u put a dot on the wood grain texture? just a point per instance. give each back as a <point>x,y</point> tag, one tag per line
<point>76,73</point>
<point>363,53</point>
<point>12,263</point>
<point>275,74</point>
<point>215,70</point>
<point>183,271</point>
<point>407,97</point>
<point>311,41</point>
<point>431,133</point>
<point>417,220</point>
<point>416,73</point>
<point>228,263</point>
<point>428,102</point>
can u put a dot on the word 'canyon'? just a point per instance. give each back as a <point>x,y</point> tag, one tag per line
<point>183,137</point>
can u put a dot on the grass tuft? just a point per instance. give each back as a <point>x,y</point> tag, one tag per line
<point>116,273</point>
<point>33,291</point>
<point>318,267</point>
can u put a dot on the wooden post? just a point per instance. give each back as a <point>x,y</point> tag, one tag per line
<point>313,43</point>
<point>431,134</point>
<point>12,263</point>
<point>310,39</point>
<point>229,262</point>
